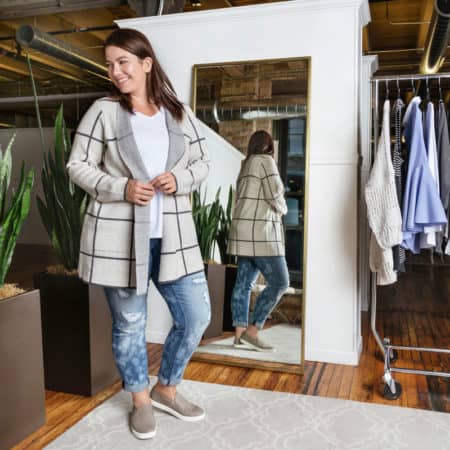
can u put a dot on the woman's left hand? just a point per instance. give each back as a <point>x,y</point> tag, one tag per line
<point>165,182</point>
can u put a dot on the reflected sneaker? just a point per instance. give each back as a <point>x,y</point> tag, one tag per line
<point>142,422</point>
<point>256,343</point>
<point>179,407</point>
<point>238,344</point>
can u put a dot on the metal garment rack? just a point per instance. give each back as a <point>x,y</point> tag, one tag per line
<point>392,388</point>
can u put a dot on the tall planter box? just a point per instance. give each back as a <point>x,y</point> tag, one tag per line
<point>22,394</point>
<point>76,328</point>
<point>230,281</point>
<point>215,276</point>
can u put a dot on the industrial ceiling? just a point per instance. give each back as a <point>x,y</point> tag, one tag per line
<point>398,34</point>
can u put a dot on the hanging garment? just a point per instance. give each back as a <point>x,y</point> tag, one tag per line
<point>422,206</point>
<point>397,161</point>
<point>443,146</point>
<point>383,210</point>
<point>428,236</point>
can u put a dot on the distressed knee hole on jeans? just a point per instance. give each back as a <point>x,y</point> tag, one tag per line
<point>124,292</point>
<point>130,321</point>
<point>206,300</point>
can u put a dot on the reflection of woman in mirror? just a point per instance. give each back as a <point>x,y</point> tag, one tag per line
<point>139,154</point>
<point>257,237</point>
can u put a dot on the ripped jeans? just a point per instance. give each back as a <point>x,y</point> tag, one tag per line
<point>275,272</point>
<point>189,305</point>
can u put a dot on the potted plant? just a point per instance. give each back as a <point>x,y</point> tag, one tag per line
<point>230,261</point>
<point>22,394</point>
<point>76,323</point>
<point>207,221</point>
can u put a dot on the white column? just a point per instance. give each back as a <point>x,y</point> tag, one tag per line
<point>368,68</point>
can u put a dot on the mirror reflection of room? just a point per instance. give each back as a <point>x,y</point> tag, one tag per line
<point>238,101</point>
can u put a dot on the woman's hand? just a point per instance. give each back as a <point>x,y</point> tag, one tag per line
<point>165,182</point>
<point>139,193</point>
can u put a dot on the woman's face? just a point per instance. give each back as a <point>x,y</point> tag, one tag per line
<point>126,71</point>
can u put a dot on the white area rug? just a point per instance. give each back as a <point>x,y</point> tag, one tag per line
<point>285,337</point>
<point>250,419</point>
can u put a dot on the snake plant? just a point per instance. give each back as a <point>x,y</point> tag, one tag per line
<point>64,204</point>
<point>207,220</point>
<point>13,216</point>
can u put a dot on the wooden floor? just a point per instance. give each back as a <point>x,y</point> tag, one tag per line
<point>415,311</point>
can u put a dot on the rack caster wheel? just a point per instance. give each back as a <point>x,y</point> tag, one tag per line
<point>393,355</point>
<point>389,395</point>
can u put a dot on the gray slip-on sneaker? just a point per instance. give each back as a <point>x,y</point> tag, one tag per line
<point>142,422</point>
<point>238,344</point>
<point>179,407</point>
<point>256,343</point>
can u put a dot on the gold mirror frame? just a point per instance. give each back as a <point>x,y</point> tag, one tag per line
<point>248,362</point>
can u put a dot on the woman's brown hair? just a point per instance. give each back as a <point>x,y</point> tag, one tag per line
<point>159,87</point>
<point>260,143</point>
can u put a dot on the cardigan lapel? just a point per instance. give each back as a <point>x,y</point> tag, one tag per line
<point>127,146</point>
<point>176,141</point>
<point>132,159</point>
<point>129,151</point>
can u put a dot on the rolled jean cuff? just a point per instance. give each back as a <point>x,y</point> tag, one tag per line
<point>240,324</point>
<point>136,387</point>
<point>168,382</point>
<point>258,325</point>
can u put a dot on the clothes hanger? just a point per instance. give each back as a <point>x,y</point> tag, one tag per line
<point>440,90</point>
<point>398,90</point>
<point>424,96</point>
<point>387,90</point>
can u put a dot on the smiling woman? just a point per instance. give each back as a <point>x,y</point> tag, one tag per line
<point>139,154</point>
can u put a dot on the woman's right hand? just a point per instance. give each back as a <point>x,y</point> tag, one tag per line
<point>138,192</point>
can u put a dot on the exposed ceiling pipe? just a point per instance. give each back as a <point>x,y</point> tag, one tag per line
<point>69,31</point>
<point>51,98</point>
<point>28,36</point>
<point>219,114</point>
<point>437,38</point>
<point>40,66</point>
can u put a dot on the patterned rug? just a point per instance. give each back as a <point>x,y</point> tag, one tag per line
<point>284,337</point>
<point>250,419</point>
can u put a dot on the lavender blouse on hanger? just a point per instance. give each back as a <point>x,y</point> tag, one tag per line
<point>422,206</point>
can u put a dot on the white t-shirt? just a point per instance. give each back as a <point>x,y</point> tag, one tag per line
<point>152,140</point>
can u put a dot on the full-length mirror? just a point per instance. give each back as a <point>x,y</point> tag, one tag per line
<point>254,203</point>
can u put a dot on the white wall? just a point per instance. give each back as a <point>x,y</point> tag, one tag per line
<point>27,148</point>
<point>328,31</point>
<point>226,165</point>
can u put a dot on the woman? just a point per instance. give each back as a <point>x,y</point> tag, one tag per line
<point>257,237</point>
<point>139,154</point>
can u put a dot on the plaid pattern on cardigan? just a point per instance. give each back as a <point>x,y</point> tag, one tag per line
<point>256,228</point>
<point>114,248</point>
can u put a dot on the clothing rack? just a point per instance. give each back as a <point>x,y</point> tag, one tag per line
<point>392,388</point>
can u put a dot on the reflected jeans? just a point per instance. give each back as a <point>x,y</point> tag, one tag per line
<point>275,272</point>
<point>189,305</point>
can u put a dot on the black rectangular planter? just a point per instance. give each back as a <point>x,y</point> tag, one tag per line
<point>215,275</point>
<point>76,329</point>
<point>22,394</point>
<point>230,281</point>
